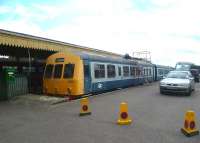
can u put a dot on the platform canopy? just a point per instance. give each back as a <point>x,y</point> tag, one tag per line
<point>17,44</point>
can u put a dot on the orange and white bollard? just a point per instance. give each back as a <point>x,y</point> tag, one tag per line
<point>85,110</point>
<point>189,128</point>
<point>124,118</point>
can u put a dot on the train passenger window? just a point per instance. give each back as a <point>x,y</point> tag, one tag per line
<point>69,71</point>
<point>144,72</point>
<point>126,70</point>
<point>132,69</point>
<point>99,71</point>
<point>58,71</point>
<point>48,71</point>
<point>119,71</point>
<point>111,71</point>
<point>137,72</point>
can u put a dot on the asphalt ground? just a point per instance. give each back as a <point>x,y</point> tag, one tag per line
<point>156,119</point>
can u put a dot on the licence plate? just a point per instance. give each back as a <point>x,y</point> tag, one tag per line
<point>170,87</point>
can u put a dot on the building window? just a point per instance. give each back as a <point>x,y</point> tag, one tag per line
<point>126,71</point>
<point>99,71</point>
<point>119,71</point>
<point>111,71</point>
<point>58,71</point>
<point>48,71</point>
<point>69,71</point>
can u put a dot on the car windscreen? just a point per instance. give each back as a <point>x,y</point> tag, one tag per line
<point>181,75</point>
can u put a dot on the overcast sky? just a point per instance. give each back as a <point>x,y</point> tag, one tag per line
<point>169,29</point>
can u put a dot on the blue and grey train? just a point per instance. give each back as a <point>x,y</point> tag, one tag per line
<point>161,71</point>
<point>77,74</point>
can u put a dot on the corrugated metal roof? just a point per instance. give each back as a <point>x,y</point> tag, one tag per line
<point>34,42</point>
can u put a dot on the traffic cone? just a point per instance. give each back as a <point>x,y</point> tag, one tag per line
<point>84,107</point>
<point>124,118</point>
<point>189,128</point>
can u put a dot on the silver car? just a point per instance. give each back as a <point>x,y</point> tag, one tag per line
<point>178,82</point>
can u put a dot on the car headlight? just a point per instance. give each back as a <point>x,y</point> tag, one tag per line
<point>162,83</point>
<point>184,85</point>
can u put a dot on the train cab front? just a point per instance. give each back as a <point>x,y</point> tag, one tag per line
<point>63,75</point>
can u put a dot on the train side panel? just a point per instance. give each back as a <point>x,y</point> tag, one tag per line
<point>119,79</point>
<point>148,73</point>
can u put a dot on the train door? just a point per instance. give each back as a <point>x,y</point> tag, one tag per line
<point>87,77</point>
<point>155,73</point>
<point>120,72</point>
<point>145,74</point>
<point>137,75</point>
<point>140,75</point>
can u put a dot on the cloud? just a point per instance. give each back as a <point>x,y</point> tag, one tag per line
<point>4,9</point>
<point>168,28</point>
<point>22,26</point>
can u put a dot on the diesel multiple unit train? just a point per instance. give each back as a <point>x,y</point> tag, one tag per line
<point>77,74</point>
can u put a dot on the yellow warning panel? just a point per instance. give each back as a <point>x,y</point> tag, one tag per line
<point>190,128</point>
<point>85,110</point>
<point>124,118</point>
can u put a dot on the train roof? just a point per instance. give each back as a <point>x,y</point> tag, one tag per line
<point>102,58</point>
<point>162,66</point>
<point>145,63</point>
